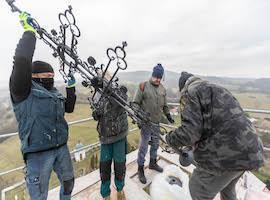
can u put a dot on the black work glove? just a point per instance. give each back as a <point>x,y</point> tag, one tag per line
<point>97,82</point>
<point>123,89</point>
<point>170,119</point>
<point>139,124</point>
<point>186,157</point>
<point>96,115</point>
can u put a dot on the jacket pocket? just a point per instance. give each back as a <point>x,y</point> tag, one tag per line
<point>33,185</point>
<point>42,131</point>
<point>43,104</point>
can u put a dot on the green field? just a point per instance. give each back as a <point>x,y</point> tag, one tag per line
<point>10,155</point>
<point>254,100</point>
<point>264,172</point>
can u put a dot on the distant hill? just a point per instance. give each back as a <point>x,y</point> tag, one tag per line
<point>261,85</point>
<point>170,78</point>
<point>171,81</point>
<point>8,122</point>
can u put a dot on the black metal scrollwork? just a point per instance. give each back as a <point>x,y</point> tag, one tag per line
<point>70,62</point>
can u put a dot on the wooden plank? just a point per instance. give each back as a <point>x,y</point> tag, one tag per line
<point>88,186</point>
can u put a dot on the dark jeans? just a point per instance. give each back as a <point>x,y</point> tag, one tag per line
<point>39,167</point>
<point>148,133</point>
<point>205,186</point>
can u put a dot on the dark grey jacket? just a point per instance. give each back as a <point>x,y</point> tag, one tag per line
<point>112,121</point>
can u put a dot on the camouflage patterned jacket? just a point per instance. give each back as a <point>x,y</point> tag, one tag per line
<point>214,122</point>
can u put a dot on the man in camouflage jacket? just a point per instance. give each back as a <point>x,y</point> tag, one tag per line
<point>224,139</point>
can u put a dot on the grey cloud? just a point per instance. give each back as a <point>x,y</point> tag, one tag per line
<point>211,37</point>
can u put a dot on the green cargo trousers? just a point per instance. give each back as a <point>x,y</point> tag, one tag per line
<point>205,186</point>
<point>117,152</point>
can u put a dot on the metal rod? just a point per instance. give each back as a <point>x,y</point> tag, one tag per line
<point>89,147</point>
<point>250,110</point>
<point>169,126</point>
<point>12,170</point>
<point>69,123</point>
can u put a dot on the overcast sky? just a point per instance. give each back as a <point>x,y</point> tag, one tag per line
<point>206,37</point>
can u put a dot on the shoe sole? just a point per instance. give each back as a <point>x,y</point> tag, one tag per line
<point>156,170</point>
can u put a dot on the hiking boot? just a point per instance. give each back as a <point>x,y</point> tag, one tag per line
<point>141,175</point>
<point>107,198</point>
<point>121,195</point>
<point>153,165</point>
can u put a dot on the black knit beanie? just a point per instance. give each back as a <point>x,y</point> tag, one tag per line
<point>183,78</point>
<point>41,67</point>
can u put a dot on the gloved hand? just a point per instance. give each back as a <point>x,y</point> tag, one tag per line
<point>170,119</point>
<point>186,157</point>
<point>139,125</point>
<point>123,89</point>
<point>95,115</point>
<point>25,18</point>
<point>71,81</point>
<point>97,82</point>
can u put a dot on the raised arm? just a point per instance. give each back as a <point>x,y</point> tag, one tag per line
<point>21,76</point>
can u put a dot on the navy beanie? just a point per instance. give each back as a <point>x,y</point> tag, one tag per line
<point>41,67</point>
<point>158,71</point>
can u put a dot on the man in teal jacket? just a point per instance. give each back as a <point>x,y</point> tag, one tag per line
<point>39,109</point>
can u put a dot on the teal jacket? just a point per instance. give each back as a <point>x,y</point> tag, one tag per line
<point>40,116</point>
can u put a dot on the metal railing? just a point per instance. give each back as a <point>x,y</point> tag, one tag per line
<point>249,110</point>
<point>94,145</point>
<point>256,111</point>
<point>86,148</point>
<point>97,144</point>
<point>69,123</point>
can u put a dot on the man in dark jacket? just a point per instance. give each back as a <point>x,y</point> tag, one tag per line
<point>113,129</point>
<point>39,109</point>
<point>224,139</point>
